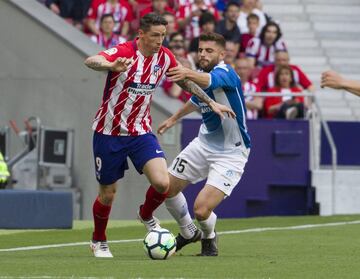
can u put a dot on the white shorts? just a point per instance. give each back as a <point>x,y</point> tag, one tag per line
<point>222,170</point>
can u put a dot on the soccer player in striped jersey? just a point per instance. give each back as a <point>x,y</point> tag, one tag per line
<point>122,125</point>
<point>220,151</point>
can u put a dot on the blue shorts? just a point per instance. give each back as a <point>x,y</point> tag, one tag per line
<point>111,152</point>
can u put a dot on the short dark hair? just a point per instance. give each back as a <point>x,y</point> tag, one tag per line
<point>231,3</point>
<point>205,18</point>
<point>105,16</point>
<point>252,16</point>
<point>175,34</point>
<point>151,19</point>
<point>213,37</point>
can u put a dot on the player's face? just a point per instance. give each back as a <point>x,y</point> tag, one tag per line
<point>153,39</point>
<point>209,54</point>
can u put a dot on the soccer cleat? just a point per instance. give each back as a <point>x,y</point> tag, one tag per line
<point>182,241</point>
<point>209,246</point>
<point>152,223</point>
<point>100,249</point>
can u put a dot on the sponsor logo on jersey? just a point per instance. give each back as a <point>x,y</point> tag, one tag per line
<point>143,89</point>
<point>111,51</point>
<point>204,108</point>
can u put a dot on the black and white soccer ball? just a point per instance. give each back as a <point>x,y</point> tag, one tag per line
<point>159,244</point>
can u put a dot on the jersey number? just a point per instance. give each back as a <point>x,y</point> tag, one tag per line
<point>179,166</point>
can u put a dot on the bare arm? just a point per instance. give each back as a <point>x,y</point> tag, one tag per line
<point>334,80</point>
<point>99,63</point>
<point>187,108</point>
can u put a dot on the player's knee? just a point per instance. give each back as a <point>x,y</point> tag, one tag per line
<point>107,195</point>
<point>201,212</point>
<point>162,186</point>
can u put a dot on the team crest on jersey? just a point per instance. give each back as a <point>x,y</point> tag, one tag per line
<point>157,70</point>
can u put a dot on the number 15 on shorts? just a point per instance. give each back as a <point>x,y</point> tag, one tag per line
<point>179,165</point>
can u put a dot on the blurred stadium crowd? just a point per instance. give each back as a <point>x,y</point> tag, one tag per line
<point>254,43</point>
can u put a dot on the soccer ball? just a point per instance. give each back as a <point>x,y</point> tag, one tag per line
<point>159,244</point>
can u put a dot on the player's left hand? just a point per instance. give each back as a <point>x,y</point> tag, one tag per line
<point>222,110</point>
<point>177,73</point>
<point>167,124</point>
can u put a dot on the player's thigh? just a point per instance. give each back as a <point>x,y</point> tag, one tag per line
<point>110,158</point>
<point>226,170</point>
<point>207,200</point>
<point>143,149</point>
<point>176,185</point>
<point>156,172</point>
<point>191,164</point>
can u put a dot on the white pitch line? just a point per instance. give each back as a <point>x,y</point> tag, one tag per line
<point>300,227</point>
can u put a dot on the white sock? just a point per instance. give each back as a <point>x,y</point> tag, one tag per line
<point>178,208</point>
<point>208,226</point>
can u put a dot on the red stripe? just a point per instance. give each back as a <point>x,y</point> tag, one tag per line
<point>120,104</point>
<point>134,114</point>
<point>107,93</point>
<point>139,99</point>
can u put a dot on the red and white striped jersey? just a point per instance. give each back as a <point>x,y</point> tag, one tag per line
<point>264,55</point>
<point>121,12</point>
<point>250,87</point>
<point>192,30</point>
<point>125,108</point>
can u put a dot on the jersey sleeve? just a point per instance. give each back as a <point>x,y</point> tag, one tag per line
<point>303,79</point>
<point>115,52</point>
<point>173,62</point>
<point>194,100</point>
<point>220,76</point>
<point>252,47</point>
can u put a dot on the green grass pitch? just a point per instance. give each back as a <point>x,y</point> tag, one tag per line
<point>279,252</point>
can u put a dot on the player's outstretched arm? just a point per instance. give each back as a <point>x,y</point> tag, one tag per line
<point>333,80</point>
<point>187,108</point>
<point>99,63</point>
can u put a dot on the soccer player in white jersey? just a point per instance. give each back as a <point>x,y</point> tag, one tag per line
<point>220,151</point>
<point>122,126</point>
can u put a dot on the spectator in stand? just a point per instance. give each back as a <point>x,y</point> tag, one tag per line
<point>253,25</point>
<point>189,16</point>
<point>261,51</point>
<point>288,107</point>
<point>253,104</point>
<point>158,7</point>
<point>107,38</point>
<point>177,43</point>
<point>231,52</point>
<point>266,77</point>
<point>121,11</point>
<point>228,27</point>
<point>249,7</point>
<point>207,24</point>
<point>171,27</point>
<point>73,11</point>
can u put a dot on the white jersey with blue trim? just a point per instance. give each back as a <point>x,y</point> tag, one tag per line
<point>228,134</point>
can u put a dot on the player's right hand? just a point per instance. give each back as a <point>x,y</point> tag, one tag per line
<point>164,126</point>
<point>122,64</point>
